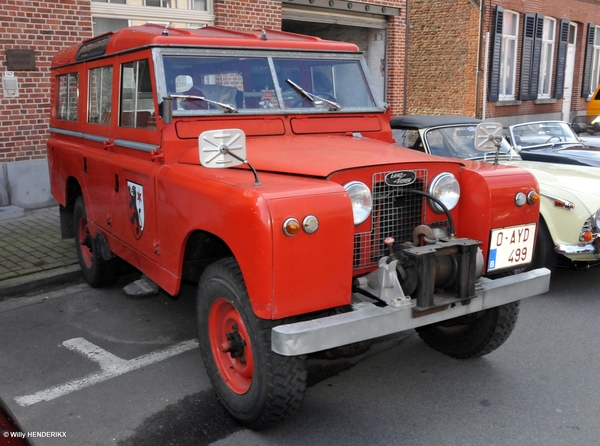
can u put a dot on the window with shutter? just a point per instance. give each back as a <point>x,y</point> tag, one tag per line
<point>586,89</point>
<point>542,30</point>
<point>508,59</point>
<point>493,89</point>
<point>561,58</point>
<point>526,57</point>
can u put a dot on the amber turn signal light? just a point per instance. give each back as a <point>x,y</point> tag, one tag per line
<point>291,227</point>
<point>533,197</point>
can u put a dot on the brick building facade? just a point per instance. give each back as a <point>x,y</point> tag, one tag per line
<point>37,29</point>
<point>555,57</point>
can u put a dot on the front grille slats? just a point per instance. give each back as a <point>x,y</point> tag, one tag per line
<point>396,212</point>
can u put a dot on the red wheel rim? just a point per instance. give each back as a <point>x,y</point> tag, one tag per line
<point>230,346</point>
<point>84,242</point>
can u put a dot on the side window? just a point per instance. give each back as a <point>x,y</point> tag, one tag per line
<point>100,100</point>
<point>68,93</point>
<point>137,101</point>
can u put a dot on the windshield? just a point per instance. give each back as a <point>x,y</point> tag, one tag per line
<point>458,142</point>
<point>209,84</point>
<point>542,133</point>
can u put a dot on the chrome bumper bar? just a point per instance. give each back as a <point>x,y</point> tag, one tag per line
<point>369,321</point>
<point>576,251</point>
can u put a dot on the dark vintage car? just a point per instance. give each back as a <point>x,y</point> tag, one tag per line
<point>569,229</point>
<point>555,142</point>
<point>587,128</point>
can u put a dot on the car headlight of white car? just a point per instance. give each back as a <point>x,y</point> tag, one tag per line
<point>445,188</point>
<point>590,228</point>
<point>362,202</point>
<point>596,221</point>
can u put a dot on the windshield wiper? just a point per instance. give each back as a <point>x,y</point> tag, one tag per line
<point>229,108</point>
<point>311,97</point>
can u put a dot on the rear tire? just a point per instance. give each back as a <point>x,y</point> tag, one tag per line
<point>96,271</point>
<point>257,386</point>
<point>463,338</point>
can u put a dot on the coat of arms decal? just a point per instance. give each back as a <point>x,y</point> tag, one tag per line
<point>136,208</point>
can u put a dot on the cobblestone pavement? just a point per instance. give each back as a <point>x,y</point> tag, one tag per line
<point>31,244</point>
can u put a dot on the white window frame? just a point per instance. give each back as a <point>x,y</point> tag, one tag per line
<point>182,16</point>
<point>508,62</point>
<point>547,58</point>
<point>595,75</point>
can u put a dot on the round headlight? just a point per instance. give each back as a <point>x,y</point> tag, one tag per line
<point>360,196</point>
<point>445,188</point>
<point>596,221</point>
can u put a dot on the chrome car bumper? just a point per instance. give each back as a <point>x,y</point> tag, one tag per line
<point>369,321</point>
<point>578,252</point>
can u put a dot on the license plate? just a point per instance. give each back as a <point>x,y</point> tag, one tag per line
<point>511,246</point>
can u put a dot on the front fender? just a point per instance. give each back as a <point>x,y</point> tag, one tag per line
<point>284,275</point>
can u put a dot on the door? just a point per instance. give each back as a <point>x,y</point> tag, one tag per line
<point>569,69</point>
<point>133,164</point>
<point>99,86</point>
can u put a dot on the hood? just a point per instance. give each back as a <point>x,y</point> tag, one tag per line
<point>322,155</point>
<point>573,183</point>
<point>584,152</point>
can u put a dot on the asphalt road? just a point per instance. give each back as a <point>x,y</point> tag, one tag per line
<point>93,367</point>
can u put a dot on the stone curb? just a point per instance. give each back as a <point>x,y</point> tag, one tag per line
<point>23,284</point>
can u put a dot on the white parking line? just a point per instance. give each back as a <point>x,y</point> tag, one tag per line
<point>111,367</point>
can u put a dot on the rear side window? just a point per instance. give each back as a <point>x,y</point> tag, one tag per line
<point>137,100</point>
<point>68,92</point>
<point>100,100</point>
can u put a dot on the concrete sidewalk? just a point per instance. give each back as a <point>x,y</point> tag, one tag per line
<point>32,253</point>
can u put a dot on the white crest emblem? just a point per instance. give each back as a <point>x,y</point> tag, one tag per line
<point>136,208</point>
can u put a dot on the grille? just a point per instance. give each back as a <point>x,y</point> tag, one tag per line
<point>396,212</point>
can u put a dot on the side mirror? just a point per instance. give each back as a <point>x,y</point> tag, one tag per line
<point>488,136</point>
<point>222,148</point>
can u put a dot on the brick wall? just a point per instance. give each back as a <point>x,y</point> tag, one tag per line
<point>243,15</point>
<point>45,27</point>
<point>442,57</point>
<point>396,59</point>
<point>581,12</point>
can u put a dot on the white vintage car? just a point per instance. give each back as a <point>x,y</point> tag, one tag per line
<point>569,226</point>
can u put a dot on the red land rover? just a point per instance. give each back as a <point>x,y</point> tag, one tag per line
<point>260,165</point>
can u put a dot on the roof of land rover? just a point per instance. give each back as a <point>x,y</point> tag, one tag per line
<point>134,37</point>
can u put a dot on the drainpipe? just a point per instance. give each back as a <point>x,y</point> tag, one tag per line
<point>406,48</point>
<point>478,75</point>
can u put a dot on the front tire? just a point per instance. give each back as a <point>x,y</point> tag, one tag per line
<point>257,386</point>
<point>96,271</point>
<point>463,338</point>
<point>544,255</point>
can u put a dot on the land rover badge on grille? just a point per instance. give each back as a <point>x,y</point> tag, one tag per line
<point>400,178</point>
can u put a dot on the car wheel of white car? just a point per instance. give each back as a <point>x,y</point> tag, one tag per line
<point>257,386</point>
<point>474,335</point>
<point>544,255</point>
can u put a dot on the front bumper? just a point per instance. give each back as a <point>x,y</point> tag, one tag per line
<point>368,321</point>
<point>588,251</point>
